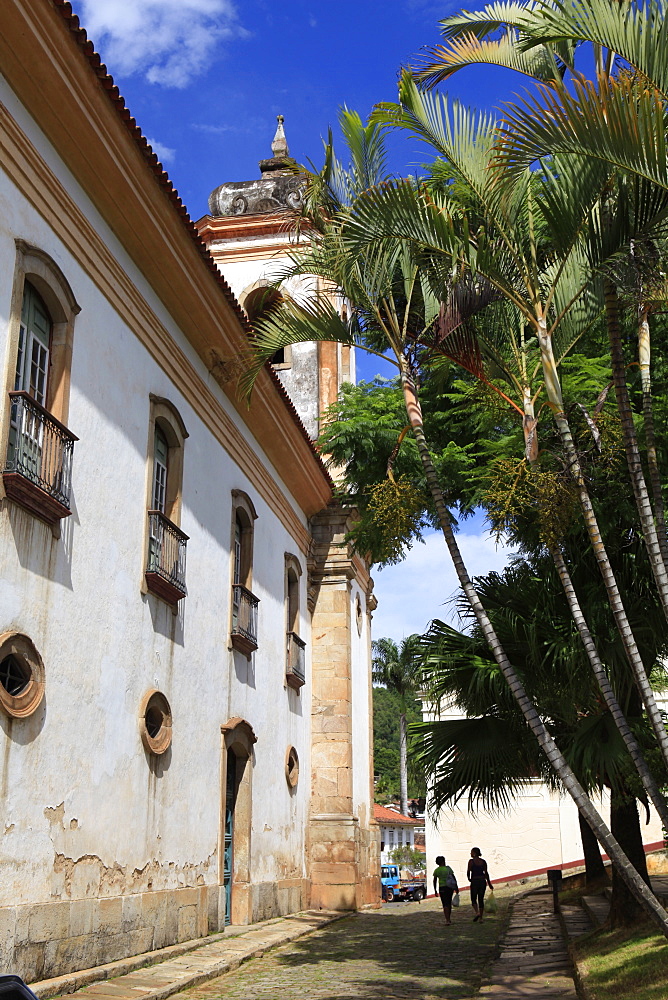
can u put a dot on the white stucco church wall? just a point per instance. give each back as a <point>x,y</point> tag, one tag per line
<point>115,835</point>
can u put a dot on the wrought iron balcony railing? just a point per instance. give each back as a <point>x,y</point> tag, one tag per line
<point>244,619</point>
<point>295,671</point>
<point>166,567</point>
<point>38,469</point>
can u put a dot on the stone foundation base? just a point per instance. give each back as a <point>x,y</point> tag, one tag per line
<point>277,899</point>
<point>43,940</point>
<point>345,871</point>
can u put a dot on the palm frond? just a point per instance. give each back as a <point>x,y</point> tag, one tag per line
<point>487,760</point>
<point>317,319</point>
<point>490,19</point>
<point>617,124</point>
<point>636,32</point>
<point>442,61</point>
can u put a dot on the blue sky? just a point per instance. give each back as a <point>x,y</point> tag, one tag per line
<point>205,80</point>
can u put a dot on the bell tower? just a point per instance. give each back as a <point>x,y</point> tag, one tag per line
<point>250,234</point>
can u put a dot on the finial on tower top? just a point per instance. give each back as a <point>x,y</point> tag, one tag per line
<point>279,146</point>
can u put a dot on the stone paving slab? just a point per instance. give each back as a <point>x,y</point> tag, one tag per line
<point>533,959</point>
<point>597,908</point>
<point>184,971</point>
<point>402,952</point>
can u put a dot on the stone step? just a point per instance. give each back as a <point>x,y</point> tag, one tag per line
<point>597,908</point>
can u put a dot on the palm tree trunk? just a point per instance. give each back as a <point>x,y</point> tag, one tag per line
<point>649,784</point>
<point>584,804</point>
<point>594,866</point>
<point>605,687</point>
<point>614,597</point>
<point>625,822</point>
<point>656,556</point>
<point>403,765</point>
<point>644,354</point>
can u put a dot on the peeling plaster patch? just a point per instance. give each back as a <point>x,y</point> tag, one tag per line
<point>9,827</point>
<point>88,876</point>
<point>56,814</point>
<point>74,823</point>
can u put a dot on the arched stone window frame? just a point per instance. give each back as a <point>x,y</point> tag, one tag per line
<point>243,509</point>
<point>238,738</point>
<point>38,268</point>
<point>246,299</point>
<point>293,574</point>
<point>164,415</point>
<point>295,667</point>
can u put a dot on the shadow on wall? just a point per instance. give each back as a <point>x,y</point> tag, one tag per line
<point>19,732</point>
<point>37,547</point>
<point>166,621</point>
<point>244,668</point>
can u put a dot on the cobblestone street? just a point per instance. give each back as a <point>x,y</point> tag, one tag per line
<point>402,951</point>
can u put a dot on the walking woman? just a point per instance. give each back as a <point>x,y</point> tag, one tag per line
<point>447,885</point>
<point>478,876</point>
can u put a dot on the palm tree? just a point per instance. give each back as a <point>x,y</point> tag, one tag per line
<point>505,253</point>
<point>393,306</point>
<point>397,669</point>
<point>488,756</point>
<point>540,41</point>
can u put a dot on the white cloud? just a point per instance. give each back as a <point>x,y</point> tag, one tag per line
<point>421,588</point>
<point>164,153</point>
<point>167,41</point>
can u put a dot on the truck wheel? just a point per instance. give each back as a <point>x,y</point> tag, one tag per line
<point>389,895</point>
<point>418,894</point>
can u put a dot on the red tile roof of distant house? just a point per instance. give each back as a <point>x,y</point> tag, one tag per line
<point>388,816</point>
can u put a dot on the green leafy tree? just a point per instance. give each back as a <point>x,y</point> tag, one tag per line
<point>542,41</point>
<point>408,857</point>
<point>386,713</point>
<point>551,288</point>
<point>394,305</point>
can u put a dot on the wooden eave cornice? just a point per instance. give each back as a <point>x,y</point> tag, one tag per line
<point>46,58</point>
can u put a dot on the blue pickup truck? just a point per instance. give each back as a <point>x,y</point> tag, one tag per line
<point>395,887</point>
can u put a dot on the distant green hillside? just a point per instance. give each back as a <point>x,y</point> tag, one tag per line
<point>386,746</point>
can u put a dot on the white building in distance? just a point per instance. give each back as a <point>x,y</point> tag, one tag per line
<point>539,831</point>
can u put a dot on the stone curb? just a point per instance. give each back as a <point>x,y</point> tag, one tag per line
<point>578,978</point>
<point>74,981</point>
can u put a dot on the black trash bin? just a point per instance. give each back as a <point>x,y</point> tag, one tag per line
<point>13,988</point>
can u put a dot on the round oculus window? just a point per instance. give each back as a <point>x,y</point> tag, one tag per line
<point>156,722</point>
<point>21,675</point>
<point>292,767</point>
